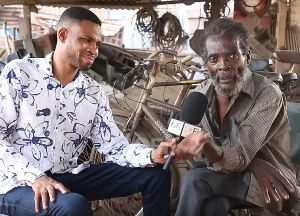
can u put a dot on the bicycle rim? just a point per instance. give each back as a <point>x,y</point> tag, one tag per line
<point>132,205</point>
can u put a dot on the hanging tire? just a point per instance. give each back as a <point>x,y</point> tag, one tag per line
<point>242,5</point>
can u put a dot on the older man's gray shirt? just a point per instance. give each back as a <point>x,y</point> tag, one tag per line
<point>255,125</point>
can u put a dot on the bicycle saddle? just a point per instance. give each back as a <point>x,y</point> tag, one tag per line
<point>258,64</point>
<point>275,77</point>
<point>287,56</point>
<point>290,81</point>
<point>289,77</point>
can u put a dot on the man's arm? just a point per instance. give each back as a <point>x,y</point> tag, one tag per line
<point>252,134</point>
<point>110,141</point>
<point>270,180</point>
<point>13,163</point>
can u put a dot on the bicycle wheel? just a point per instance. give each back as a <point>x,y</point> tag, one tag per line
<point>132,205</point>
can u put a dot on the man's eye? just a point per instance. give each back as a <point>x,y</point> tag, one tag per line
<point>98,45</point>
<point>85,40</point>
<point>232,56</point>
<point>212,59</point>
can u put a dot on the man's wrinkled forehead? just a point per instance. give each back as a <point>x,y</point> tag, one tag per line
<point>223,42</point>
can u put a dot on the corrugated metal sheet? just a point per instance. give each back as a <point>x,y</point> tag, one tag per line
<point>11,15</point>
<point>292,41</point>
<point>96,3</point>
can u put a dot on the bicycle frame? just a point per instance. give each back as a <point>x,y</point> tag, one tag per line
<point>143,108</point>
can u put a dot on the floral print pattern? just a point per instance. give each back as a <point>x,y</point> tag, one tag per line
<point>45,126</point>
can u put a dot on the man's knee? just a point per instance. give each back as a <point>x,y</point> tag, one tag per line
<point>216,206</point>
<point>71,204</point>
<point>194,176</point>
<point>157,174</point>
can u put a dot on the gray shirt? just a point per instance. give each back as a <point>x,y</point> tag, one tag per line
<point>255,125</point>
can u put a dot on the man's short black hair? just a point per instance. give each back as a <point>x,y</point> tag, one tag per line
<point>220,27</point>
<point>77,14</point>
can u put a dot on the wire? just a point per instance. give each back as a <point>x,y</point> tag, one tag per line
<point>120,105</point>
<point>146,20</point>
<point>165,31</point>
<point>123,85</point>
<point>169,33</point>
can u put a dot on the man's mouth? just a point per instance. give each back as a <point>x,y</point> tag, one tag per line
<point>226,79</point>
<point>90,59</point>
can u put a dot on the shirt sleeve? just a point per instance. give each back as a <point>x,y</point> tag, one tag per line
<point>13,163</point>
<point>253,133</point>
<point>112,144</point>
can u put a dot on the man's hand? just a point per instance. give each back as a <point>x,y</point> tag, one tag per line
<point>44,187</point>
<point>160,154</point>
<point>271,180</point>
<point>196,143</point>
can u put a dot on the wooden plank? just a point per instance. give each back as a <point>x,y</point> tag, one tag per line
<point>259,49</point>
<point>280,31</point>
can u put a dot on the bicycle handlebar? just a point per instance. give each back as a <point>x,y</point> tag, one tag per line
<point>186,59</point>
<point>165,51</point>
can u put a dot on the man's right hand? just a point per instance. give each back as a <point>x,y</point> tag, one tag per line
<point>271,180</point>
<point>44,187</point>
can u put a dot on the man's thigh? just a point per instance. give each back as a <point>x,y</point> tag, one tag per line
<point>20,202</point>
<point>234,185</point>
<point>107,180</point>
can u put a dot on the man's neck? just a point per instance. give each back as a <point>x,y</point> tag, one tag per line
<point>222,107</point>
<point>62,71</point>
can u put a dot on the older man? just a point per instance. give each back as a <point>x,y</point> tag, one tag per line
<point>246,132</point>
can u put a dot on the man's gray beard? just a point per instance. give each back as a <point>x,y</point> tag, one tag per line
<point>236,89</point>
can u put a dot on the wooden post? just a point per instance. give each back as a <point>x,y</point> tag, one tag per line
<point>25,23</point>
<point>280,31</point>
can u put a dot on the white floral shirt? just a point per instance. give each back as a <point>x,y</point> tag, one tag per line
<point>44,126</point>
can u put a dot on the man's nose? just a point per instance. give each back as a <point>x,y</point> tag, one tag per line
<point>93,48</point>
<point>223,65</point>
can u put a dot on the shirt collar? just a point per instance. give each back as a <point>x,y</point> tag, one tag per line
<point>249,87</point>
<point>47,64</point>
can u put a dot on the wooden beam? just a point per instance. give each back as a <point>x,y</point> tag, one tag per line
<point>94,3</point>
<point>25,23</point>
<point>280,32</point>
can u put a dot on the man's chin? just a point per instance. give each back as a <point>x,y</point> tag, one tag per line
<point>85,67</point>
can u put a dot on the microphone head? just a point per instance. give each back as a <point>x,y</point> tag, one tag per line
<point>193,108</point>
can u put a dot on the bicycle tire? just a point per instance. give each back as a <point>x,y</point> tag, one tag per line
<point>130,205</point>
<point>240,6</point>
<point>148,133</point>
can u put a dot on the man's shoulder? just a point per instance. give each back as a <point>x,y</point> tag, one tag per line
<point>264,85</point>
<point>24,63</point>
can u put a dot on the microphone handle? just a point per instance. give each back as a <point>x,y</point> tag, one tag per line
<point>170,158</point>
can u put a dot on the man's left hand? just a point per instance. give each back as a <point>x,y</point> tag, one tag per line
<point>271,180</point>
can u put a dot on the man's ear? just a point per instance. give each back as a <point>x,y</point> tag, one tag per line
<point>62,34</point>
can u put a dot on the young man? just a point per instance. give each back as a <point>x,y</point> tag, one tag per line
<point>48,110</point>
<point>246,132</point>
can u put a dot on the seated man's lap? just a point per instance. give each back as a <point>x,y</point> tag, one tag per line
<point>107,180</point>
<point>99,181</point>
<point>233,185</point>
<point>20,201</point>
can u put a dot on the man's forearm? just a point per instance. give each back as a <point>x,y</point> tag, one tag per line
<point>212,152</point>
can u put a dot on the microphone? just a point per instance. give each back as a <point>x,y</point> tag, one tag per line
<point>191,113</point>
